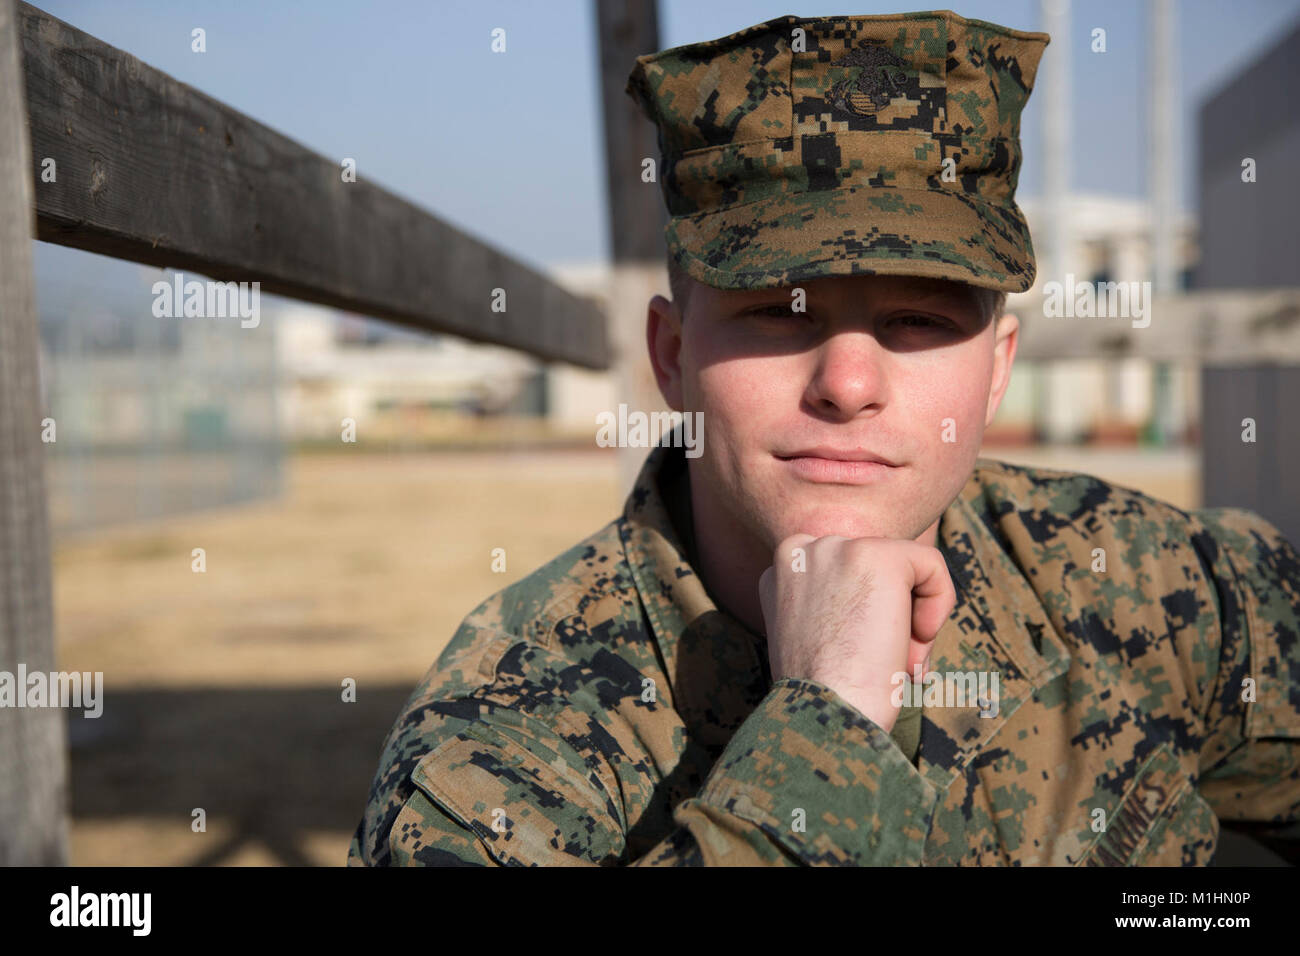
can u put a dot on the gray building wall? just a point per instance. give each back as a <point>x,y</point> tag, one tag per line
<point>1250,239</point>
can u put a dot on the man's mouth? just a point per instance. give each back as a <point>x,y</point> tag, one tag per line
<point>847,466</point>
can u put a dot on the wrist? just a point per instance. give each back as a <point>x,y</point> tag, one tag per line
<point>876,706</point>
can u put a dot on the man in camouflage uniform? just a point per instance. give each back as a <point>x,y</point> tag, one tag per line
<point>706,680</point>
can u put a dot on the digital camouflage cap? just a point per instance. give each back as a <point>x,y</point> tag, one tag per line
<point>801,148</point>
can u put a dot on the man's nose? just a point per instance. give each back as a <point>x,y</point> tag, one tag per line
<point>849,376</point>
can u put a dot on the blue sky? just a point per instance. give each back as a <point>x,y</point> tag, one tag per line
<point>508,147</point>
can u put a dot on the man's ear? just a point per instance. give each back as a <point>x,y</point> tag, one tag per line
<point>1006,337</point>
<point>663,333</point>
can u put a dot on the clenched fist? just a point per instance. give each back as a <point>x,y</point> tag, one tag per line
<point>851,613</point>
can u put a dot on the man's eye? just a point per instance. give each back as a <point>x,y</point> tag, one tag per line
<point>777,311</point>
<point>924,321</point>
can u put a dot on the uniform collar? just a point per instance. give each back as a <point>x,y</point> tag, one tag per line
<point>998,625</point>
<point>717,667</point>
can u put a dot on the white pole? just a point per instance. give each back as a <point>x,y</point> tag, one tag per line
<point>1162,186</point>
<point>1056,418</point>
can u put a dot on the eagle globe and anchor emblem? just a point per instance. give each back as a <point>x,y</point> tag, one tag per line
<point>876,76</point>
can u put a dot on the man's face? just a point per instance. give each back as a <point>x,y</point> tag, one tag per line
<point>904,369</point>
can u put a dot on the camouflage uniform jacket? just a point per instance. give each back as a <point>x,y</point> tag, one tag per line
<point>604,711</point>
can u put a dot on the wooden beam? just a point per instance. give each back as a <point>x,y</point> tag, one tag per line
<point>33,758</point>
<point>1231,327</point>
<point>151,170</point>
<point>637,214</point>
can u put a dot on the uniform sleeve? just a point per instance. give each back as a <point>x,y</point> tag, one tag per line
<point>806,779</point>
<point>1250,758</point>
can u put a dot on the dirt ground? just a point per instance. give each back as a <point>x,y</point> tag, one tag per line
<point>223,690</point>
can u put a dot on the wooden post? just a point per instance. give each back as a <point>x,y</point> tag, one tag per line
<point>637,214</point>
<point>33,754</point>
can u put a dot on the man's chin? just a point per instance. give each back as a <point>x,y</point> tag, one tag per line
<point>844,522</point>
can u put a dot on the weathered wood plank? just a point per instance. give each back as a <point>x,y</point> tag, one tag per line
<point>637,214</point>
<point>151,170</point>
<point>1232,327</point>
<point>33,760</point>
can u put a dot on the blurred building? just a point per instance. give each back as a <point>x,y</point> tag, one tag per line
<point>396,384</point>
<point>150,416</point>
<point>1076,400</point>
<point>404,385</point>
